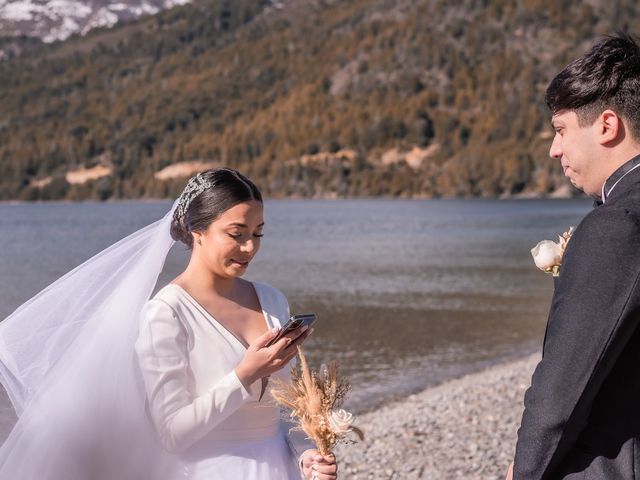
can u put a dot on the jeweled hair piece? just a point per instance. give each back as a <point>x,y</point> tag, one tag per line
<point>195,186</point>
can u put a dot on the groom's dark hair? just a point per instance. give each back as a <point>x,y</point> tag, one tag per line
<point>606,77</point>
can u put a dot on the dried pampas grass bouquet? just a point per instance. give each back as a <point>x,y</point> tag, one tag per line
<point>314,400</point>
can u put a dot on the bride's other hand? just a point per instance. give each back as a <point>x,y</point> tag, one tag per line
<point>261,361</point>
<point>317,467</point>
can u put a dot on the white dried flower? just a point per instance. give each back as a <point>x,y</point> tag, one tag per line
<point>340,421</point>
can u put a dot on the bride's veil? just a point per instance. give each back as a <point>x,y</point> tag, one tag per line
<point>68,364</point>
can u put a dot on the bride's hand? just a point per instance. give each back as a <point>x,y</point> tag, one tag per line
<point>315,466</point>
<point>261,361</point>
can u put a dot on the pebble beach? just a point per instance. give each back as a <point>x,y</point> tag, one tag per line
<point>462,429</point>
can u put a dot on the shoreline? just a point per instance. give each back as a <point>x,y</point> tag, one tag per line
<point>462,428</point>
<point>297,198</point>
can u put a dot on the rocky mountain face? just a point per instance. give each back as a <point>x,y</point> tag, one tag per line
<point>310,98</point>
<point>52,20</point>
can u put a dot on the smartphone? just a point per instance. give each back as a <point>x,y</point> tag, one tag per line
<point>294,322</point>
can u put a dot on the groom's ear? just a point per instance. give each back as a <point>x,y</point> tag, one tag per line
<point>610,128</point>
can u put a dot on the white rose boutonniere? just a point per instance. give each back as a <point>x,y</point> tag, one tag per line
<point>547,254</point>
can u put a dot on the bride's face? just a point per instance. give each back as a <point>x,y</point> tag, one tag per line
<point>232,240</point>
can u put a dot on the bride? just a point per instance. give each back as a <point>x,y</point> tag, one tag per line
<point>109,385</point>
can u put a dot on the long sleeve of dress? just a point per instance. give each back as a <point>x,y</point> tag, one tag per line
<point>180,417</point>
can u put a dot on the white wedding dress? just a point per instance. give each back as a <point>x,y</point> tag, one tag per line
<point>201,411</point>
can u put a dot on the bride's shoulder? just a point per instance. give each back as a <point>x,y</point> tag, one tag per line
<point>167,311</point>
<point>269,293</point>
<point>166,301</point>
<point>168,294</point>
<point>266,289</point>
<point>162,323</point>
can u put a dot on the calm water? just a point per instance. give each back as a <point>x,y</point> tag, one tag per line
<point>408,292</point>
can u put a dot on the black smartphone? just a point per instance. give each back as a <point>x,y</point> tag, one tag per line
<point>294,322</point>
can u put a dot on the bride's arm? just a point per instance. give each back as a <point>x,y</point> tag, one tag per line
<point>180,418</point>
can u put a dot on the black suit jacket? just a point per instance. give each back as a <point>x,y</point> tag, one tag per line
<point>582,411</point>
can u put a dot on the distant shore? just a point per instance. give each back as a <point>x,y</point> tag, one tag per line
<point>524,197</point>
<point>463,428</point>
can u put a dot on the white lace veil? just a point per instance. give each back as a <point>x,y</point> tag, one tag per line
<point>68,364</point>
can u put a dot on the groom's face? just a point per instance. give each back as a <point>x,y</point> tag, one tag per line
<point>576,148</point>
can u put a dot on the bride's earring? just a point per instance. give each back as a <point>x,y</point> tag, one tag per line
<point>199,242</point>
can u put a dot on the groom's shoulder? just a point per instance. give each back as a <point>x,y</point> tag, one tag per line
<point>611,220</point>
<point>626,200</point>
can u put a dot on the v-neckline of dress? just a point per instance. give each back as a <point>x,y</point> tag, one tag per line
<point>211,318</point>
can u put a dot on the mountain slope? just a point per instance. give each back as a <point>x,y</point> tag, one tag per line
<point>367,97</point>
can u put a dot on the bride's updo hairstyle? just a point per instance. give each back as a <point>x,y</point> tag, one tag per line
<point>206,196</point>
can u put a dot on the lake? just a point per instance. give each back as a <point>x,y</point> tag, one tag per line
<point>408,292</point>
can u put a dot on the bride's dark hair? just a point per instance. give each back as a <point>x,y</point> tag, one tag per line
<point>226,188</point>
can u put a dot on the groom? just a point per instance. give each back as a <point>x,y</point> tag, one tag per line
<point>582,411</point>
